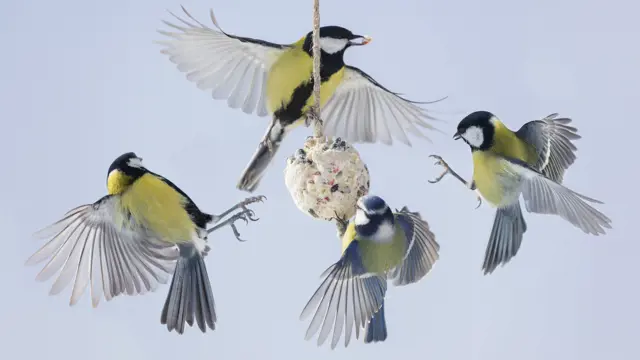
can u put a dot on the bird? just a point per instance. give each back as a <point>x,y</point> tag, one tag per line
<point>530,162</point>
<point>276,79</point>
<point>132,239</point>
<point>377,245</point>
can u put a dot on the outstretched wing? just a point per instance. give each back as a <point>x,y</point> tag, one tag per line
<point>545,196</point>
<point>233,68</point>
<point>91,246</point>
<point>422,248</point>
<point>363,111</point>
<point>348,296</point>
<point>551,137</point>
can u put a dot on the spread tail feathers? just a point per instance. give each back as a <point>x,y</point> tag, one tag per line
<point>189,296</point>
<point>262,157</point>
<point>376,328</point>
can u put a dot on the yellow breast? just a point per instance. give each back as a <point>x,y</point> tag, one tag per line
<point>158,207</point>
<point>376,257</point>
<point>289,71</point>
<point>486,168</point>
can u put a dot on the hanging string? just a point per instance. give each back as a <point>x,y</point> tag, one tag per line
<point>317,129</point>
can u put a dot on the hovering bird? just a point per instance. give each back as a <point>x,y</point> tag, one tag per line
<point>530,162</point>
<point>130,240</point>
<point>276,79</point>
<point>377,245</point>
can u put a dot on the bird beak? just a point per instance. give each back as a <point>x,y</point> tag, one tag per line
<point>457,136</point>
<point>360,40</point>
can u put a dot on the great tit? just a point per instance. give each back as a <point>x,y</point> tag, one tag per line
<point>530,162</point>
<point>276,79</point>
<point>377,245</point>
<point>130,240</point>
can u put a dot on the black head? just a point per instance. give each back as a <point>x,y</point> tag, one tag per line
<point>477,130</point>
<point>124,170</point>
<point>335,40</point>
<point>374,218</point>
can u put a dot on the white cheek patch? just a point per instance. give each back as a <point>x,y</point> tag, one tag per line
<point>474,136</point>
<point>331,45</point>
<point>361,218</point>
<point>135,162</point>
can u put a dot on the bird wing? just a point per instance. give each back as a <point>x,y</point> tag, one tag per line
<point>506,237</point>
<point>363,111</point>
<point>90,246</point>
<point>348,296</point>
<point>422,248</point>
<point>551,137</point>
<point>545,196</point>
<point>231,67</point>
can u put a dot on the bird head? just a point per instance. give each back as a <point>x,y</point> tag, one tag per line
<point>374,218</point>
<point>124,170</point>
<point>477,130</point>
<point>335,40</point>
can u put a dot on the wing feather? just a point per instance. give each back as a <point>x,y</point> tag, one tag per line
<point>347,298</point>
<point>233,68</point>
<point>552,138</point>
<point>88,248</point>
<point>546,196</point>
<point>378,113</point>
<point>422,251</point>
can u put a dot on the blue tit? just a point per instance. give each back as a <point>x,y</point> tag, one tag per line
<point>130,240</point>
<point>530,162</point>
<point>276,80</point>
<point>377,245</point>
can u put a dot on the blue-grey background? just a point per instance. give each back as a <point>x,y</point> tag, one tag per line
<point>82,83</point>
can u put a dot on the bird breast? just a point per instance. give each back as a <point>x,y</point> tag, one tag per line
<point>155,205</point>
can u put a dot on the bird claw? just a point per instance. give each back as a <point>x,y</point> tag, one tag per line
<point>340,219</point>
<point>246,215</point>
<point>250,214</point>
<point>479,202</point>
<point>312,117</point>
<point>341,223</point>
<point>440,161</point>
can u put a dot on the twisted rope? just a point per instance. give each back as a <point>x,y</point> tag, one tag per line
<point>317,129</point>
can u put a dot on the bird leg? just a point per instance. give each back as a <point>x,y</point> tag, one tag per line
<point>241,205</point>
<point>246,215</point>
<point>312,117</point>
<point>448,170</point>
<point>341,224</point>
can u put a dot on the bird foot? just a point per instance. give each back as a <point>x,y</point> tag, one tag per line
<point>447,170</point>
<point>312,117</point>
<point>246,214</point>
<point>440,161</point>
<point>341,223</point>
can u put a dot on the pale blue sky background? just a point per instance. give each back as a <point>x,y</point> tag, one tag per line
<point>82,83</point>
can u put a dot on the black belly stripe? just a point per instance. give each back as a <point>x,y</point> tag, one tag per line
<point>292,111</point>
